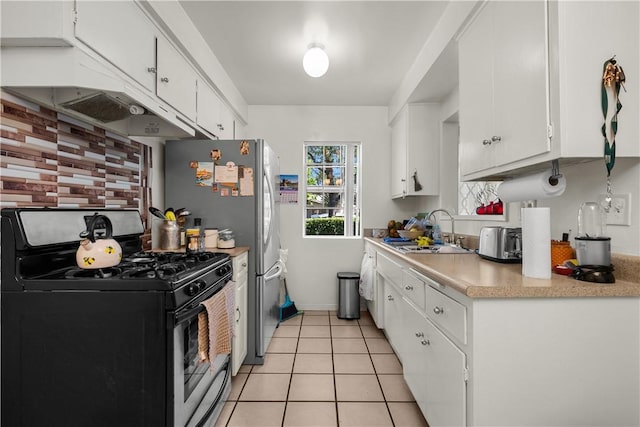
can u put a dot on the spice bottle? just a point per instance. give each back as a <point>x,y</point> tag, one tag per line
<point>195,237</point>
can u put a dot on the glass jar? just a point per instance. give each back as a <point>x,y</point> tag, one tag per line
<point>226,239</point>
<point>195,237</point>
<point>591,220</point>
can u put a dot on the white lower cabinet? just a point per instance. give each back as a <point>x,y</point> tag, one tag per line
<point>531,362</point>
<point>445,401</point>
<point>239,344</point>
<point>435,371</point>
<point>414,367</point>
<point>393,308</point>
<point>426,329</point>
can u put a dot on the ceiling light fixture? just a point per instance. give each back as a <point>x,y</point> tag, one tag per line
<point>315,61</point>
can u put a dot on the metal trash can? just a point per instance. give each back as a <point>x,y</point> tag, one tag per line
<point>348,295</point>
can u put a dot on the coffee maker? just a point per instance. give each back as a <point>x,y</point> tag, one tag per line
<point>593,247</point>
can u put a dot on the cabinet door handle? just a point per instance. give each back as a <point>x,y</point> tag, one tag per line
<point>419,334</point>
<point>244,264</point>
<point>389,298</point>
<point>425,342</point>
<point>496,138</point>
<point>438,310</point>
<point>164,79</point>
<point>409,287</point>
<point>151,70</point>
<point>486,142</point>
<point>239,314</point>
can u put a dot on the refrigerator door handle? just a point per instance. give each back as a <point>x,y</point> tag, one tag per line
<point>274,272</point>
<point>272,205</point>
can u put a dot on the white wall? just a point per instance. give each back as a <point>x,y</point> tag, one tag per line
<point>584,183</point>
<point>314,262</point>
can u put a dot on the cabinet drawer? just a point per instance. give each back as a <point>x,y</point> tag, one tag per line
<point>389,269</point>
<point>447,313</point>
<point>414,289</point>
<point>240,266</point>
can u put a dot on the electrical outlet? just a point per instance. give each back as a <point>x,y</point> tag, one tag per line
<point>620,211</point>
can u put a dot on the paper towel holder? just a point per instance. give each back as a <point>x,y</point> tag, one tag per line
<point>555,173</point>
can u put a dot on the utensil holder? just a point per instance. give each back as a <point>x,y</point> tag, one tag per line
<point>169,235</point>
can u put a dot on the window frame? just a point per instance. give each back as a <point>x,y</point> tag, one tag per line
<point>352,191</point>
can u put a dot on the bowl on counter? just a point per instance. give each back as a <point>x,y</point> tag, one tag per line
<point>379,233</point>
<point>410,234</point>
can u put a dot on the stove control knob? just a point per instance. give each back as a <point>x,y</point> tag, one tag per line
<point>224,270</point>
<point>194,288</point>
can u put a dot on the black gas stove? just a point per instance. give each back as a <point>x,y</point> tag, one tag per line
<point>109,346</point>
<point>172,267</point>
<point>39,248</point>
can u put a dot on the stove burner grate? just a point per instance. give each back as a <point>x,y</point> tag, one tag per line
<point>98,273</point>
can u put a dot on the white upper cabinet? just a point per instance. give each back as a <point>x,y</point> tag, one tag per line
<point>585,34</point>
<point>208,106</point>
<point>415,151</point>
<point>122,34</point>
<point>503,80</point>
<point>43,23</point>
<point>530,76</point>
<point>213,115</point>
<point>175,79</point>
<point>226,126</point>
<point>125,46</point>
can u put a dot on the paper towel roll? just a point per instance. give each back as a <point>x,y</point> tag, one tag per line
<point>536,242</point>
<point>532,187</point>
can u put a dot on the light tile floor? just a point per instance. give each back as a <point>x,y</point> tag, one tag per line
<point>323,371</point>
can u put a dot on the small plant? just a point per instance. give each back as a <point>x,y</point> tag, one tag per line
<point>333,226</point>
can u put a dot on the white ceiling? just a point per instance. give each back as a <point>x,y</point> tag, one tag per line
<point>371,45</point>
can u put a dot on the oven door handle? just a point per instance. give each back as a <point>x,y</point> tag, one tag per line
<point>196,307</point>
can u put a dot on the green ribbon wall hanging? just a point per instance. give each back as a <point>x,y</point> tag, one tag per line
<point>613,79</point>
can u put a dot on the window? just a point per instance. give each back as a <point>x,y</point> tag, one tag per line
<point>475,195</point>
<point>332,189</point>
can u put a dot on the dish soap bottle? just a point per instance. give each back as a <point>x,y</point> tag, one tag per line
<point>437,234</point>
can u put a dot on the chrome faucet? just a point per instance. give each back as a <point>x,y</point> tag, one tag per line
<point>453,232</point>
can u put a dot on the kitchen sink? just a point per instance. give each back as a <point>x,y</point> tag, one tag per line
<point>431,249</point>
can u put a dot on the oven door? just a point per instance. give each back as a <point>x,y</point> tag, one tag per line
<point>200,388</point>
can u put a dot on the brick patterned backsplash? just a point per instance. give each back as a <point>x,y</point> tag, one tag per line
<point>48,159</point>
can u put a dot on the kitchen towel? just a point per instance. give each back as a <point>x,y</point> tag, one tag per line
<point>532,187</point>
<point>536,242</point>
<point>216,325</point>
<point>366,278</point>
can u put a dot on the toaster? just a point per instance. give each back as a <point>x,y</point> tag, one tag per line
<point>501,244</point>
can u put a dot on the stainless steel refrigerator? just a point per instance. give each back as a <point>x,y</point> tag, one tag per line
<point>235,185</point>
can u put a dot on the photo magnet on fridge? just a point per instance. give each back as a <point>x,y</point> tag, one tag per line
<point>246,181</point>
<point>216,154</point>
<point>204,174</point>
<point>244,148</point>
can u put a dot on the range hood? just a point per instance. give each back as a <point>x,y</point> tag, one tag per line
<point>71,81</point>
<point>104,107</point>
